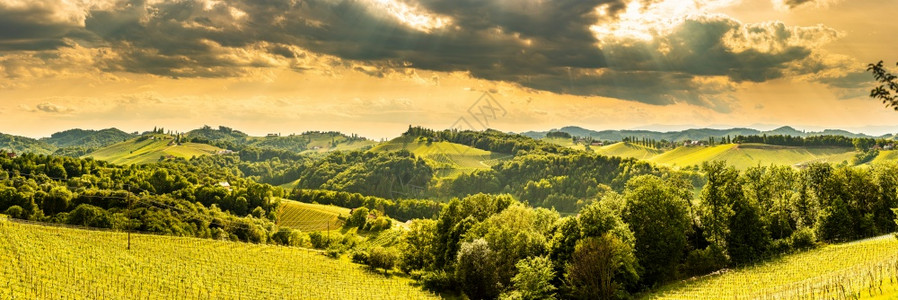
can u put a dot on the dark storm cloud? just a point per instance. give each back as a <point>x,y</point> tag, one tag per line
<point>546,45</point>
<point>31,26</point>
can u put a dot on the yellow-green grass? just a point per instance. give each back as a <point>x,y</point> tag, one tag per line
<point>310,217</point>
<point>452,159</point>
<point>45,262</point>
<point>830,272</point>
<point>628,150</point>
<point>885,156</point>
<point>746,155</point>
<point>324,143</point>
<point>150,150</point>
<point>290,185</point>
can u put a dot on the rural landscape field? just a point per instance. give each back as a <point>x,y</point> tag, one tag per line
<point>444,149</point>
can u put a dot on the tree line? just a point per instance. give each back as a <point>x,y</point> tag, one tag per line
<point>494,246</point>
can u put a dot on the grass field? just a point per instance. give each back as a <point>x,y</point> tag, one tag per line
<point>150,150</point>
<point>311,217</point>
<point>452,159</point>
<point>44,262</point>
<point>867,268</point>
<point>746,155</point>
<point>627,150</point>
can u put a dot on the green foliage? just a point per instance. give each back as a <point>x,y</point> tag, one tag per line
<point>382,258</point>
<point>533,281</point>
<point>418,245</point>
<point>596,266</point>
<point>887,91</point>
<point>358,218</point>
<point>15,211</point>
<point>716,201</point>
<point>660,241</point>
<point>475,270</point>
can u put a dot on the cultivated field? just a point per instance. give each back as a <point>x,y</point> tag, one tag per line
<point>45,262</point>
<point>451,159</point>
<point>861,269</point>
<point>135,151</point>
<point>308,217</point>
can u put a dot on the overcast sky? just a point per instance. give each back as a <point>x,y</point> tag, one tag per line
<point>373,67</point>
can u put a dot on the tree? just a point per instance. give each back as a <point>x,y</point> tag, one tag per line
<point>595,264</point>
<point>417,245</point>
<point>887,91</point>
<point>660,241</point>
<point>358,218</point>
<point>717,197</point>
<point>382,258</point>
<point>748,239</point>
<point>474,269</point>
<point>534,278</point>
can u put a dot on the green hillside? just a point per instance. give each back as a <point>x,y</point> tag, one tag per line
<point>87,138</point>
<point>150,148</point>
<point>451,159</point>
<point>20,144</point>
<point>44,262</point>
<point>310,141</point>
<point>310,217</point>
<point>867,268</point>
<point>627,150</point>
<point>746,155</point>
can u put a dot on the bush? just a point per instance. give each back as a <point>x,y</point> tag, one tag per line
<point>381,223</point>
<point>335,250</point>
<point>287,237</point>
<point>438,281</point>
<point>360,257</point>
<point>704,261</point>
<point>89,215</point>
<point>803,239</point>
<point>382,258</point>
<point>15,211</point>
<point>324,240</point>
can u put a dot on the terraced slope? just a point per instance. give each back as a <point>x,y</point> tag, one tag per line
<point>311,217</point>
<point>43,262</point>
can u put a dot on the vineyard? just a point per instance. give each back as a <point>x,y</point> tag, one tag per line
<point>45,262</point>
<point>867,268</point>
<point>311,217</point>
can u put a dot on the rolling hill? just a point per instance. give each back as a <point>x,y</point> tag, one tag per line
<point>451,159</point>
<point>20,144</point>
<point>627,150</point>
<point>867,268</point>
<point>87,138</point>
<point>310,141</point>
<point>150,148</point>
<point>746,155</point>
<point>739,155</point>
<point>698,134</point>
<point>310,217</point>
<point>45,262</point>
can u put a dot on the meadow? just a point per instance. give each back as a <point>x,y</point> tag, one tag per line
<point>148,150</point>
<point>450,159</point>
<point>47,262</point>
<point>860,269</point>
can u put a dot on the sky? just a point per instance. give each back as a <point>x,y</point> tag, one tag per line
<point>374,67</point>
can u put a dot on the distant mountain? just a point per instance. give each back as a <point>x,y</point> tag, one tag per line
<point>20,144</point>
<point>87,138</point>
<point>688,134</point>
